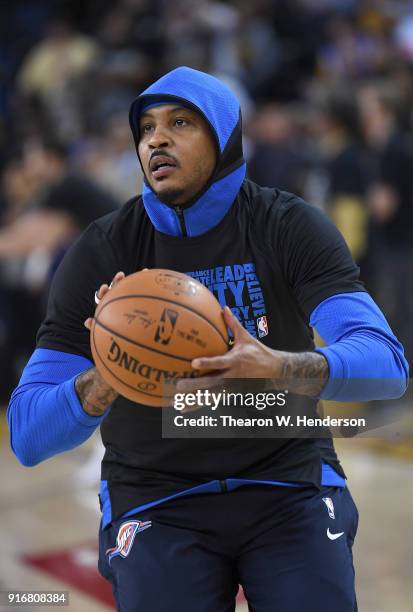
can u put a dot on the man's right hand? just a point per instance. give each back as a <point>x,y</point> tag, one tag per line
<point>94,393</point>
<point>101,292</point>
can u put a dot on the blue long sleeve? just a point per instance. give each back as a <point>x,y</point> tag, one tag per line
<point>366,361</point>
<point>45,415</point>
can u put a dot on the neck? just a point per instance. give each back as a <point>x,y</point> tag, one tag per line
<point>201,213</point>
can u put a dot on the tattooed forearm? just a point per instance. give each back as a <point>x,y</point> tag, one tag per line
<point>303,373</point>
<point>94,393</point>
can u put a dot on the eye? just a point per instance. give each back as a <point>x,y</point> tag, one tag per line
<point>146,128</point>
<point>181,122</point>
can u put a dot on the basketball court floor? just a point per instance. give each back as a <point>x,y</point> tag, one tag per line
<point>49,521</point>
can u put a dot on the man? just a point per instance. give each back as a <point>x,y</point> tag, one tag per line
<point>273,515</point>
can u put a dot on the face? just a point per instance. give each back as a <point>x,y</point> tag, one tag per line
<point>177,151</point>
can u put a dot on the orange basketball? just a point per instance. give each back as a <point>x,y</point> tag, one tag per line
<point>149,327</point>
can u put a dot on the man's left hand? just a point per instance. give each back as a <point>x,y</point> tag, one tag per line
<point>248,358</point>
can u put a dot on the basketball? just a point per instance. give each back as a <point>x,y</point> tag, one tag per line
<point>149,327</point>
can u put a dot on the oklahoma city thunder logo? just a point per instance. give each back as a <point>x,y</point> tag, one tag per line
<point>125,538</point>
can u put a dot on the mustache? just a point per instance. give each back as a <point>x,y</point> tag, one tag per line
<point>163,153</point>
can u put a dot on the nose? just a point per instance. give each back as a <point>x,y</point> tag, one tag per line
<point>159,138</point>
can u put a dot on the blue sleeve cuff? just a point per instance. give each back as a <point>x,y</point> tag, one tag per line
<point>45,415</point>
<point>335,381</point>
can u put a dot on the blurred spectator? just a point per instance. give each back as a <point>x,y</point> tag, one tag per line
<point>403,36</point>
<point>344,165</point>
<point>279,158</point>
<point>49,74</point>
<point>350,52</point>
<point>61,202</point>
<point>390,202</point>
<point>55,208</point>
<point>254,46</point>
<point>112,161</point>
<point>124,66</point>
<point>16,191</point>
<point>199,33</point>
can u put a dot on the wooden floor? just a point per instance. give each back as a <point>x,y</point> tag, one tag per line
<point>43,513</point>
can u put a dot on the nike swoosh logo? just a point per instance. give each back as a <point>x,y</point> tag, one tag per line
<point>334,536</point>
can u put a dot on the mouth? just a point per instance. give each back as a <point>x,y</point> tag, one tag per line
<point>162,166</point>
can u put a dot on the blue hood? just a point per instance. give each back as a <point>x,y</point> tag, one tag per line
<point>218,105</point>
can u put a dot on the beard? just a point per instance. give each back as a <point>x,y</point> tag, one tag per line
<point>171,196</point>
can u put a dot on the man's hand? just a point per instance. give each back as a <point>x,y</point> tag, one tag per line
<point>101,292</point>
<point>302,373</point>
<point>94,393</point>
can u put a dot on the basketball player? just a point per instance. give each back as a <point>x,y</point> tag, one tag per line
<point>184,522</point>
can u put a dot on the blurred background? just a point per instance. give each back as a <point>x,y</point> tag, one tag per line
<point>326,88</point>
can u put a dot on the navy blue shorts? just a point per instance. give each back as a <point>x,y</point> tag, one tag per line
<point>289,548</point>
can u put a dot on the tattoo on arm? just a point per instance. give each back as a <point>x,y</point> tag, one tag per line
<point>94,393</point>
<point>304,373</point>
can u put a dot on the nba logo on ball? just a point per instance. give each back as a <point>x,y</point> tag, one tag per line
<point>262,326</point>
<point>166,326</point>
